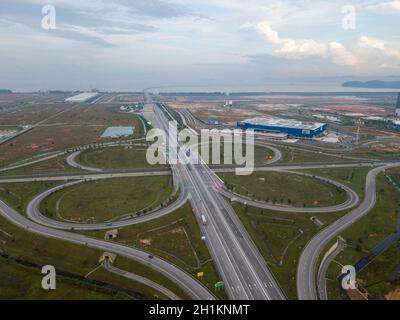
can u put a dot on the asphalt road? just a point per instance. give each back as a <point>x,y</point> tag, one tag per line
<point>307,266</point>
<point>34,213</point>
<point>351,201</point>
<point>241,266</point>
<point>323,268</point>
<point>71,162</point>
<point>188,283</point>
<point>110,268</point>
<point>239,263</point>
<point>52,155</point>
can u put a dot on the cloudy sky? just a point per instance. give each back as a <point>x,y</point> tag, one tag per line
<point>132,44</point>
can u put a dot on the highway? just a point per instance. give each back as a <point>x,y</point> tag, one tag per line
<point>241,266</point>
<point>307,266</point>
<point>239,263</point>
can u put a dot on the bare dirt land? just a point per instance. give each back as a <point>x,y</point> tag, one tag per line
<point>30,114</point>
<point>392,147</point>
<point>46,139</point>
<point>226,115</point>
<point>362,109</point>
<point>394,295</point>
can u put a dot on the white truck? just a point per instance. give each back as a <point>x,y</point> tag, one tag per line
<point>203,219</point>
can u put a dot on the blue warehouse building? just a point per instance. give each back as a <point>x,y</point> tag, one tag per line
<point>292,128</point>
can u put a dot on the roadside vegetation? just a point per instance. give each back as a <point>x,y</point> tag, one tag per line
<point>104,200</point>
<point>281,237</point>
<point>285,189</point>
<point>176,238</point>
<point>56,165</point>
<point>115,158</point>
<point>364,235</point>
<point>74,260</point>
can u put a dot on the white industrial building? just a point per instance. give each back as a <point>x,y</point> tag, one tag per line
<point>82,97</point>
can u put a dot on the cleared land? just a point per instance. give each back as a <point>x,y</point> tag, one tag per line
<point>80,125</point>
<point>105,200</point>
<point>285,188</point>
<point>30,115</point>
<point>46,139</point>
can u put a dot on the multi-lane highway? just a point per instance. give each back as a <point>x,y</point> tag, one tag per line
<point>241,266</point>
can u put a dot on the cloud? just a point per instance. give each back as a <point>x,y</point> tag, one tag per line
<point>291,48</point>
<point>366,53</point>
<point>270,35</point>
<point>385,7</point>
<point>341,56</point>
<point>297,49</point>
<point>378,45</point>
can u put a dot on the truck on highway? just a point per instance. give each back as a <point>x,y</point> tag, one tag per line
<point>203,219</point>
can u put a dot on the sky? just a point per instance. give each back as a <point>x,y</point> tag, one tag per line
<point>134,44</point>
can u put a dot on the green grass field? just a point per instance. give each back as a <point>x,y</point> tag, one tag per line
<point>114,158</point>
<point>366,233</point>
<point>297,156</point>
<point>285,188</point>
<point>104,200</point>
<point>353,177</point>
<point>23,283</point>
<point>67,257</point>
<point>175,237</point>
<point>19,194</point>
<point>281,237</point>
<point>261,154</point>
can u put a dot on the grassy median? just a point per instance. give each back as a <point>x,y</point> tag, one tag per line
<point>285,189</point>
<point>104,200</point>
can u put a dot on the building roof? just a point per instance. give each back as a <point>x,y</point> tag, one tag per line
<point>82,97</point>
<point>284,123</point>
